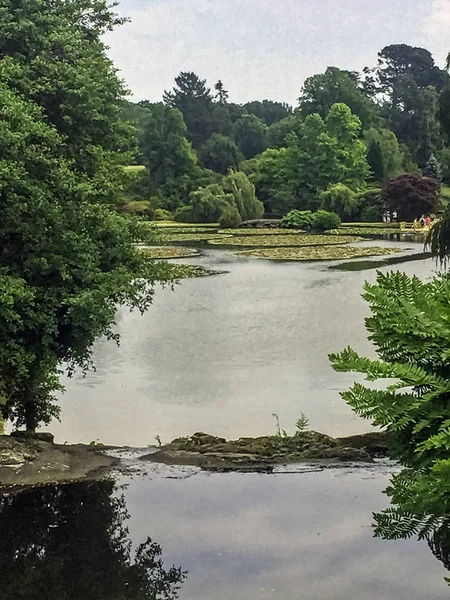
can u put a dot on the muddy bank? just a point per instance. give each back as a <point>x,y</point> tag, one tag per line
<point>36,460</point>
<point>263,453</point>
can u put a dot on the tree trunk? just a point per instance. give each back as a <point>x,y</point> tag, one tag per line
<point>30,414</point>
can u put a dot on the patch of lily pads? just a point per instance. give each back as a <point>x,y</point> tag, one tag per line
<point>194,237</point>
<point>168,252</point>
<point>368,231</point>
<point>301,239</point>
<point>259,231</point>
<point>316,252</point>
<point>178,272</point>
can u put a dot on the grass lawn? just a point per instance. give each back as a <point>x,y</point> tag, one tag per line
<point>445,191</point>
<point>134,168</point>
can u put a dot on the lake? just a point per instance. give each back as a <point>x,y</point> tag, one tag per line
<point>222,354</point>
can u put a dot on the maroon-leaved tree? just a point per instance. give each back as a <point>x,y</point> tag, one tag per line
<point>411,196</point>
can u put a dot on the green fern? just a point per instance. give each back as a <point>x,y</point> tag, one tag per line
<point>409,326</point>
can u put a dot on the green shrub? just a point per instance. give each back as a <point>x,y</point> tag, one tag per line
<point>323,220</point>
<point>139,208</point>
<point>307,220</point>
<point>371,205</point>
<point>162,215</point>
<point>230,217</point>
<point>184,214</point>
<point>298,219</point>
<point>340,199</point>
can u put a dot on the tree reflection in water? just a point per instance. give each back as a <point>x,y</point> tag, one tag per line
<point>400,522</point>
<point>70,543</point>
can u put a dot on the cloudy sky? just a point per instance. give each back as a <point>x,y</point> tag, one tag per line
<point>266,48</point>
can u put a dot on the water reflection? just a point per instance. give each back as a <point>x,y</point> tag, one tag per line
<point>71,543</point>
<point>221,354</point>
<point>256,537</point>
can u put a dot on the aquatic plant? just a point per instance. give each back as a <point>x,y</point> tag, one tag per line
<point>316,252</point>
<point>301,239</point>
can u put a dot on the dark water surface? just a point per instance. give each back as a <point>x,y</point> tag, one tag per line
<point>238,536</point>
<point>221,354</point>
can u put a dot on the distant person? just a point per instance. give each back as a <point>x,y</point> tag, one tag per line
<point>427,222</point>
<point>394,216</point>
<point>422,221</point>
<point>416,224</point>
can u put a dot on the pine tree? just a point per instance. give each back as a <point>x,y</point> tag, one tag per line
<point>433,168</point>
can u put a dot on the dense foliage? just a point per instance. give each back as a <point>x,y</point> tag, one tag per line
<point>307,220</point>
<point>66,258</point>
<point>412,195</point>
<point>357,130</point>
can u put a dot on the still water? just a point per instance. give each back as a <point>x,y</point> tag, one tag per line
<point>219,536</point>
<point>222,354</point>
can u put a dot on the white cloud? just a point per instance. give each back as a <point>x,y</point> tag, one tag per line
<point>261,48</point>
<point>437,26</point>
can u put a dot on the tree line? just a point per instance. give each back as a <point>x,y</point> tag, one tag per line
<point>350,134</point>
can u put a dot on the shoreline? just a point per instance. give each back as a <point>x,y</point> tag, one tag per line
<point>35,460</point>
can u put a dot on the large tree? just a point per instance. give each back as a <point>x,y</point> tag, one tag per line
<point>406,81</point>
<point>220,153</point>
<point>193,98</point>
<point>385,155</point>
<point>268,111</point>
<point>326,152</point>
<point>166,152</point>
<point>323,152</point>
<point>411,196</point>
<point>249,133</point>
<point>66,260</point>
<point>320,92</point>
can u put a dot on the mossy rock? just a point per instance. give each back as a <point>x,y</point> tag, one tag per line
<point>212,452</point>
<point>375,443</point>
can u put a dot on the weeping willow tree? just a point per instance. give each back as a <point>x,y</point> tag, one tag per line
<point>409,326</point>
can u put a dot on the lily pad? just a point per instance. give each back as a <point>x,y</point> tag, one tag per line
<point>369,231</point>
<point>315,252</point>
<point>187,226</point>
<point>301,239</point>
<point>194,237</point>
<point>168,252</point>
<point>178,272</point>
<point>259,231</point>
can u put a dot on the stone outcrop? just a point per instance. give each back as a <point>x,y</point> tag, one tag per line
<point>33,459</point>
<point>263,453</point>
